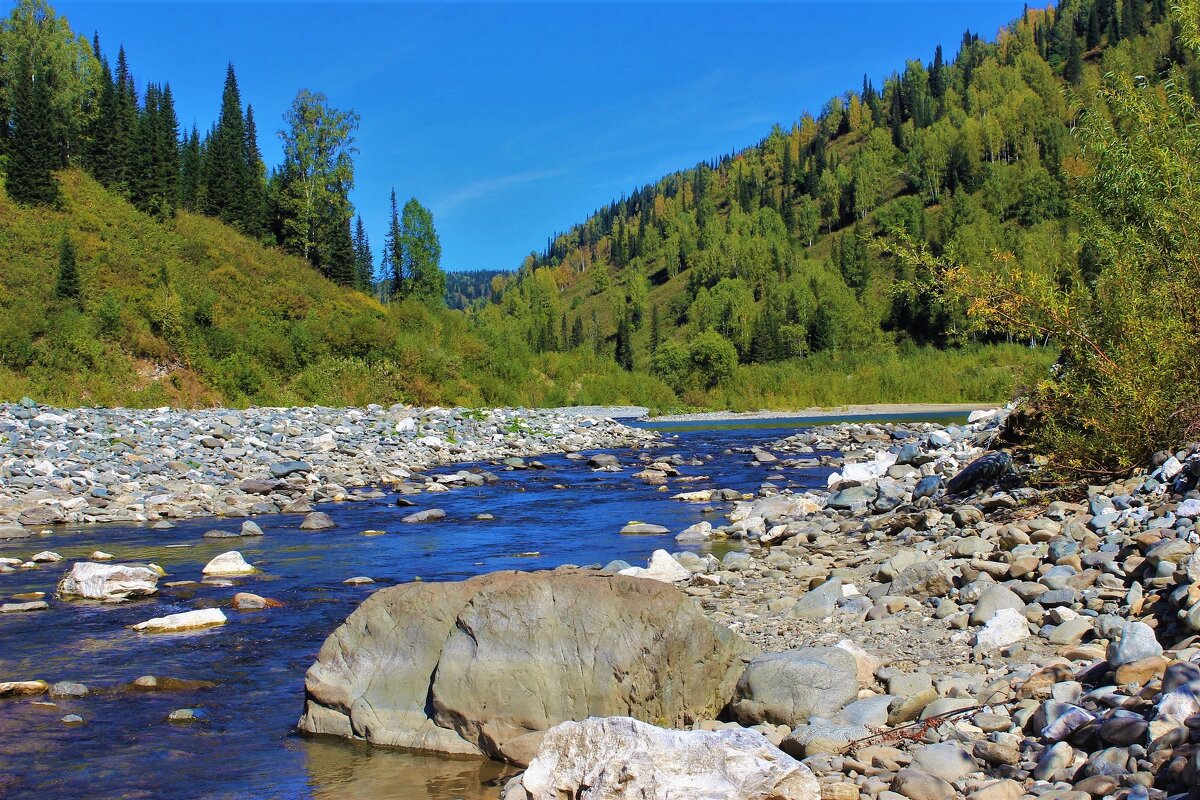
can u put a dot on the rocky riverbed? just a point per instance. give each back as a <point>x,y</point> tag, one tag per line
<point>995,643</point>
<point>120,465</point>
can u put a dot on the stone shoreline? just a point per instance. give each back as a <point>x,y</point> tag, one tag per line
<point>1008,644</point>
<point>83,466</point>
<point>819,412</point>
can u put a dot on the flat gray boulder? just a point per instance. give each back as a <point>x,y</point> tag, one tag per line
<point>486,665</point>
<point>318,521</point>
<point>789,687</point>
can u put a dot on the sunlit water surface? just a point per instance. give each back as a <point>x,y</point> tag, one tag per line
<point>246,746</point>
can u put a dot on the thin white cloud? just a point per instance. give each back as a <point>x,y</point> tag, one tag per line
<point>477,190</point>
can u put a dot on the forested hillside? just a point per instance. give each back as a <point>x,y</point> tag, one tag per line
<point>777,258</point>
<point>144,265</point>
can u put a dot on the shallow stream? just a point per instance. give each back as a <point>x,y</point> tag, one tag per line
<point>246,745</point>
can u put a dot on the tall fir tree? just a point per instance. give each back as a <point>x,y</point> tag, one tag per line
<point>1073,66</point>
<point>99,155</point>
<point>227,175</point>
<point>67,287</point>
<point>31,151</point>
<point>189,171</point>
<point>341,256</point>
<point>364,265</point>
<point>393,256</point>
<point>255,215</point>
<point>624,349</point>
<point>166,155</point>
<point>123,153</point>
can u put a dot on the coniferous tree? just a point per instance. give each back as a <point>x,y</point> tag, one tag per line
<point>100,137</point>
<point>123,152</point>
<point>340,257</point>
<point>255,214</point>
<point>624,352</point>
<point>1073,66</point>
<point>937,81</point>
<point>166,156</point>
<point>67,285</point>
<point>142,172</point>
<point>364,266</point>
<point>1094,28</point>
<point>227,175</point>
<point>393,255</point>
<point>31,151</point>
<point>577,332</point>
<point>189,172</point>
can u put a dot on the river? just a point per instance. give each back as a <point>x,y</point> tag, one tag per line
<point>246,746</point>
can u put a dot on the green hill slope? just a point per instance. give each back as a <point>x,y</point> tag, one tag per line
<point>783,249</point>
<point>189,312</point>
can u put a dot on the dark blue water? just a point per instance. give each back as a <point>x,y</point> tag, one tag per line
<point>246,745</point>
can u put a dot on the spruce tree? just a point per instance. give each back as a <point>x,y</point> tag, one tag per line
<point>364,267</point>
<point>340,257</point>
<point>255,214</point>
<point>100,138</point>
<point>67,285</point>
<point>393,255</point>
<point>1073,67</point>
<point>31,151</point>
<point>166,154</point>
<point>577,332</point>
<point>624,354</point>
<point>655,333</point>
<point>123,152</point>
<point>189,171</point>
<point>227,173</point>
<point>142,172</point>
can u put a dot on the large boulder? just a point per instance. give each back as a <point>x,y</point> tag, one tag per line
<point>110,583</point>
<point>621,759</point>
<point>488,664</point>
<point>789,687</point>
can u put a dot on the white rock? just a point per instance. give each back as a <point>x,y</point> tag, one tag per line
<point>1005,628</point>
<point>1171,467</point>
<point>982,415</point>
<point>230,563</point>
<point>186,621</point>
<point>112,583</point>
<point>701,496</point>
<point>618,758</point>
<point>324,443</point>
<point>662,567</point>
<point>100,555</point>
<point>699,532</point>
<point>46,557</point>
<point>1189,508</point>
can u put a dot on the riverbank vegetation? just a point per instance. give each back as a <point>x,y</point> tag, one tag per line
<point>767,278</point>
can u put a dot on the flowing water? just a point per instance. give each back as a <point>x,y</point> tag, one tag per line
<point>253,667</point>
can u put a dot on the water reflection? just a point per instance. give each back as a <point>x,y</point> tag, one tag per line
<point>353,771</point>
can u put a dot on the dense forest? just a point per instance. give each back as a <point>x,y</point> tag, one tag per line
<point>146,265</point>
<point>464,288</point>
<point>781,252</point>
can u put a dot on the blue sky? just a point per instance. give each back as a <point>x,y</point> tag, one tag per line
<point>513,121</point>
